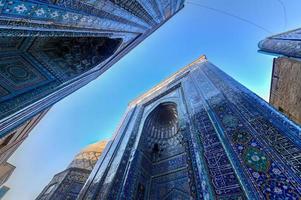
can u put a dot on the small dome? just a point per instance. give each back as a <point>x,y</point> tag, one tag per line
<point>88,157</point>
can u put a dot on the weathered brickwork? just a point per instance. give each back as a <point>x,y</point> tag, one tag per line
<point>285,92</point>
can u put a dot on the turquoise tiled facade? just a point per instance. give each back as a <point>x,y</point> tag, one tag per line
<point>50,48</point>
<point>200,135</point>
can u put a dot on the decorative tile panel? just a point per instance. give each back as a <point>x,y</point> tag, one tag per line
<point>233,144</point>
<point>11,43</point>
<point>17,73</point>
<point>63,41</point>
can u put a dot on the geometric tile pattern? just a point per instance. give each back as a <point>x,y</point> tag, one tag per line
<point>67,57</point>
<point>161,167</point>
<point>224,180</point>
<point>10,43</point>
<point>258,157</point>
<point>16,73</point>
<point>43,61</point>
<point>49,48</point>
<point>3,92</point>
<point>229,144</point>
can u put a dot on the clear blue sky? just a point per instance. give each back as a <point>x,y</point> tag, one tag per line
<point>93,112</point>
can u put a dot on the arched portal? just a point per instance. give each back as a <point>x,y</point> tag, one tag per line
<point>163,160</point>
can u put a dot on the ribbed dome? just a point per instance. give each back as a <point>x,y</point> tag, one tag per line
<point>162,123</point>
<point>88,157</point>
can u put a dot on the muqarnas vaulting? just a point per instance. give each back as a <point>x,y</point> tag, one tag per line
<point>199,135</point>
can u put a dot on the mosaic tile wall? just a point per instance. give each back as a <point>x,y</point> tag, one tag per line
<point>229,144</point>
<point>50,48</point>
